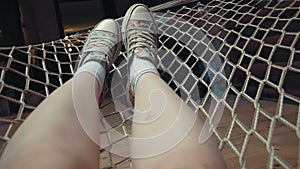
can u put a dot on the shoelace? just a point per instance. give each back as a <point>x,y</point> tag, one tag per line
<point>139,37</point>
<point>102,42</point>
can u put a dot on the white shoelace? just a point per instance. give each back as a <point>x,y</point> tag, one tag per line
<point>103,42</point>
<point>141,37</point>
<point>141,42</point>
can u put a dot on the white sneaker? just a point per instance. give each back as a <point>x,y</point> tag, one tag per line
<point>103,44</point>
<point>140,37</point>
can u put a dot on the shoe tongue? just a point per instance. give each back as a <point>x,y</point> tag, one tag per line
<point>141,52</point>
<point>141,24</point>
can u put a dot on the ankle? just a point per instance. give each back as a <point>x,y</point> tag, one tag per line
<point>145,79</point>
<point>138,67</point>
<point>146,76</point>
<point>94,68</point>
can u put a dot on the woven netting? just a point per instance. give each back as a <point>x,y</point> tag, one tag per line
<point>258,44</point>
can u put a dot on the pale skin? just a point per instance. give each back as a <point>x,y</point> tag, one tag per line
<point>52,136</point>
<point>195,155</point>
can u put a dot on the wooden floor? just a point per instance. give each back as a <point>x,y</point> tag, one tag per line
<point>284,140</point>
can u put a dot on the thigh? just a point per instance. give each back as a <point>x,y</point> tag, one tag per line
<point>51,137</point>
<point>188,154</point>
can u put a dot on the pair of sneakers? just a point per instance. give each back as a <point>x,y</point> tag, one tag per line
<point>140,40</point>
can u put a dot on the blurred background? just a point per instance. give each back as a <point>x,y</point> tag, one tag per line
<point>24,22</point>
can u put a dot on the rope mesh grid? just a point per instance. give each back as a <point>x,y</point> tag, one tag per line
<point>257,42</point>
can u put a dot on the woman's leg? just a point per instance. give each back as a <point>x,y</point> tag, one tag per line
<point>165,130</point>
<point>188,153</point>
<point>63,131</point>
<point>52,137</point>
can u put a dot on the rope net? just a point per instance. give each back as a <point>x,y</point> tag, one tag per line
<point>258,44</point>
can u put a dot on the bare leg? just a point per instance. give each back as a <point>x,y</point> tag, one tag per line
<point>165,130</point>
<point>188,153</point>
<point>63,132</point>
<point>52,137</point>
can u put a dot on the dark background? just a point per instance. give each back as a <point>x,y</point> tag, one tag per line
<point>24,22</point>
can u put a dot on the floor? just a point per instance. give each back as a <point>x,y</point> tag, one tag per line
<point>256,154</point>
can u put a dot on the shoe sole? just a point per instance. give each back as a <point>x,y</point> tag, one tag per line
<point>105,87</point>
<point>119,45</point>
